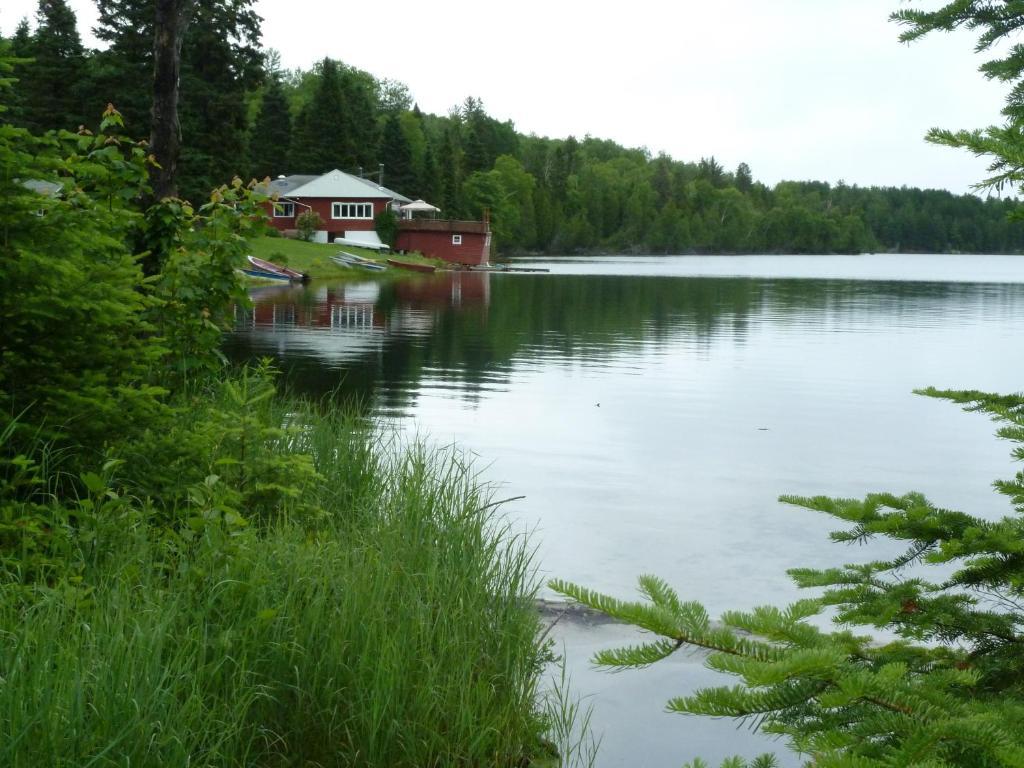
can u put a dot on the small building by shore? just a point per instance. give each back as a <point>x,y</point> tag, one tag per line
<point>348,207</point>
<point>458,242</point>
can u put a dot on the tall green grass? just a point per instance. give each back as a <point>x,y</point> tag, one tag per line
<point>384,617</point>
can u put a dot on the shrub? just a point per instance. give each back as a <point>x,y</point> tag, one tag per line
<point>386,225</point>
<point>308,223</point>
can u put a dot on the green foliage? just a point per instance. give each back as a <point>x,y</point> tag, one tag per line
<point>337,124</point>
<point>386,225</point>
<point>319,143</point>
<point>51,91</point>
<point>569,195</point>
<point>396,155</point>
<point>271,135</point>
<point>220,64</point>
<point>198,282</point>
<point>307,223</point>
<point>394,628</point>
<point>192,568</point>
<point>995,22</point>
<point>76,355</point>
<point>948,691</point>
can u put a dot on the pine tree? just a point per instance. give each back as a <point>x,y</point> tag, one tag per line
<point>1004,144</point>
<point>429,186</point>
<point>320,142</point>
<point>20,48</point>
<point>744,178</point>
<point>271,133</point>
<point>361,136</point>
<point>51,87</point>
<point>451,181</point>
<point>123,72</point>
<point>399,174</point>
<point>220,64</point>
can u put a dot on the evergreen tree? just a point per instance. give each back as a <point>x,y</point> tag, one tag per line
<point>744,178</point>
<point>220,64</point>
<point>451,182</point>
<point>271,133</point>
<point>320,142</point>
<point>396,156</point>
<point>20,48</point>
<point>123,72</point>
<point>429,187</point>
<point>711,171</point>
<point>416,138</point>
<point>51,88</point>
<point>361,135</point>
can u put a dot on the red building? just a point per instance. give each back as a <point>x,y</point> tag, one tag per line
<point>347,206</point>
<point>460,242</point>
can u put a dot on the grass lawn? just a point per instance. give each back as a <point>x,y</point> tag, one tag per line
<point>312,258</point>
<point>315,258</point>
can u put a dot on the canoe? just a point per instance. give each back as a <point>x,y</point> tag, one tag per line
<point>263,275</point>
<point>346,259</point>
<point>413,267</point>
<point>268,266</point>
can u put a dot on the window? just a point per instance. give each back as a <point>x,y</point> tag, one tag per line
<point>456,239</point>
<point>351,210</point>
<point>284,210</point>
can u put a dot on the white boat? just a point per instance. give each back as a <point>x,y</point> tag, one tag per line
<point>346,259</point>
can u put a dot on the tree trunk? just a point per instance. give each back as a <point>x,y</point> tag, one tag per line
<point>170,23</point>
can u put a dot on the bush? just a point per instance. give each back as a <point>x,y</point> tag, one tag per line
<point>386,225</point>
<point>77,352</point>
<point>308,223</point>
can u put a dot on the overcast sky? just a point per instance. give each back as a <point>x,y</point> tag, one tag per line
<point>798,89</point>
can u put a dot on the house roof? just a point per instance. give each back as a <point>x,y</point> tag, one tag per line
<point>389,192</point>
<point>336,184</point>
<point>284,185</point>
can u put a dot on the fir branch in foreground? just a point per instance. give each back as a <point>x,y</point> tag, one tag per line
<point>949,693</point>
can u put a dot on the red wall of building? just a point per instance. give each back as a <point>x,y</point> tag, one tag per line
<point>322,206</point>
<point>475,248</point>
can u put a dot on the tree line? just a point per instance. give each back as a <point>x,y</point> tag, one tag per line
<point>242,114</point>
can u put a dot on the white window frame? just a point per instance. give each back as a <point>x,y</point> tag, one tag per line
<point>358,210</point>
<point>281,207</point>
<point>456,239</point>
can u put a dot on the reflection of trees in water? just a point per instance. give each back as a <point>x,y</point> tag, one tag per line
<point>474,337</point>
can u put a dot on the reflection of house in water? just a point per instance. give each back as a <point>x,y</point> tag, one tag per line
<point>345,322</point>
<point>452,289</point>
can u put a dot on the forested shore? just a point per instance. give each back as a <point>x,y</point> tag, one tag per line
<point>243,115</point>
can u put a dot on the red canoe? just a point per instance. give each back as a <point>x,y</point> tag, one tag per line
<point>413,267</point>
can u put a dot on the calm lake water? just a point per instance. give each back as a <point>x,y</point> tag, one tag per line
<point>652,409</point>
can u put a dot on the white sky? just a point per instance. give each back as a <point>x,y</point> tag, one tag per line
<point>798,89</point>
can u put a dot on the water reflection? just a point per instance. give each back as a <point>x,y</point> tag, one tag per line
<point>381,339</point>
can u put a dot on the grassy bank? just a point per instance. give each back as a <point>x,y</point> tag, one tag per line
<point>318,594</point>
<point>314,258</point>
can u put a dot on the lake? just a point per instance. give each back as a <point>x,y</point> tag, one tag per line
<point>652,409</point>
